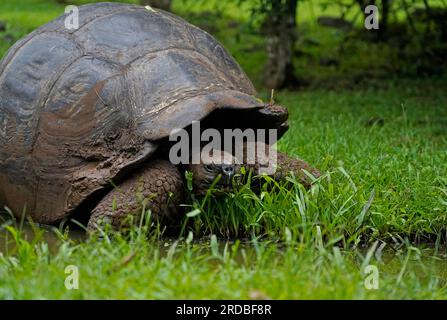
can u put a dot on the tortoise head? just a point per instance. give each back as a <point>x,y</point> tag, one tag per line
<point>220,171</point>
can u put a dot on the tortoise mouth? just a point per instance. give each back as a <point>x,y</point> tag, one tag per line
<point>218,189</point>
<point>223,186</point>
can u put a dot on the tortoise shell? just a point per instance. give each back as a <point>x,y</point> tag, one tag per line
<point>79,108</point>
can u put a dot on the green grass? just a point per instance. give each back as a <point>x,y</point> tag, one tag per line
<point>401,164</point>
<point>135,268</point>
<point>324,57</point>
<point>383,152</point>
<point>295,236</point>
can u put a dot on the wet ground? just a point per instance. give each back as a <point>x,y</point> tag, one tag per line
<point>49,234</point>
<point>390,255</point>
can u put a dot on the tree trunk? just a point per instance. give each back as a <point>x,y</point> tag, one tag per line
<point>161,4</point>
<point>281,35</point>
<point>384,14</point>
<point>383,27</point>
<point>364,3</point>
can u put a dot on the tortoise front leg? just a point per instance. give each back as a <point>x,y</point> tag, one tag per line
<point>285,164</point>
<point>157,186</point>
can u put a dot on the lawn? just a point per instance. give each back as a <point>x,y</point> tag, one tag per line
<point>382,201</point>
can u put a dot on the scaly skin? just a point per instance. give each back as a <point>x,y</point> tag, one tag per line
<point>157,187</point>
<point>284,167</point>
<point>287,164</point>
<point>284,164</point>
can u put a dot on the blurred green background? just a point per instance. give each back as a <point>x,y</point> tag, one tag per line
<point>294,44</point>
<point>367,107</point>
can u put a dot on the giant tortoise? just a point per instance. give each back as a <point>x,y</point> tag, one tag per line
<point>85,114</point>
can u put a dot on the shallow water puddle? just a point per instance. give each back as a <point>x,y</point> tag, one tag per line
<point>35,233</point>
<point>392,259</point>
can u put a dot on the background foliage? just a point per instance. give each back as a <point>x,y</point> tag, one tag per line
<point>368,108</point>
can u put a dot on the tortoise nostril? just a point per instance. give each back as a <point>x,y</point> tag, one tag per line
<point>228,170</point>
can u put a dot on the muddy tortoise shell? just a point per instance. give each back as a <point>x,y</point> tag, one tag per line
<point>79,108</point>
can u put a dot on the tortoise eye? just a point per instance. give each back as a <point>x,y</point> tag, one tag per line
<point>209,168</point>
